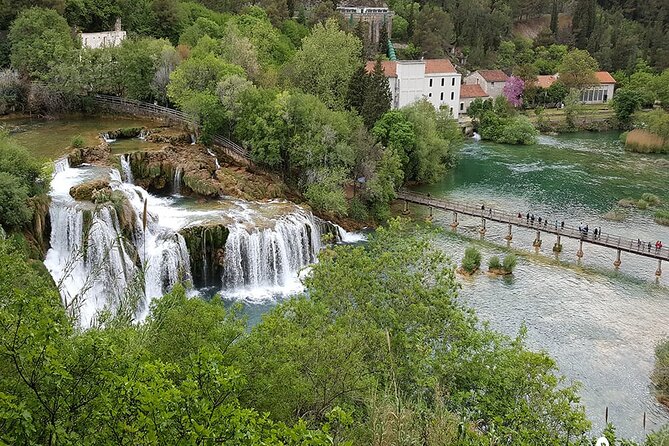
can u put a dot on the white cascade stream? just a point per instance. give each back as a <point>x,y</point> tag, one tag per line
<point>94,265</point>
<point>127,170</point>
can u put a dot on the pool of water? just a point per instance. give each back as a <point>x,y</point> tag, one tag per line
<point>600,324</point>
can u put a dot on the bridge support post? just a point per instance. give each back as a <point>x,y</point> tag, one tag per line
<point>509,236</point>
<point>658,273</point>
<point>429,218</point>
<point>406,208</point>
<point>482,231</point>
<point>455,223</point>
<point>537,241</point>
<point>557,248</point>
<point>618,262</point>
<point>579,253</point>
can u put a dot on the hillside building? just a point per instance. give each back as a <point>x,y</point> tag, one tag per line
<point>106,39</point>
<point>374,14</point>
<point>491,81</point>
<point>468,94</point>
<point>600,93</point>
<point>433,79</point>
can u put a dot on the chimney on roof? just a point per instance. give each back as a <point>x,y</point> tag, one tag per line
<point>117,25</point>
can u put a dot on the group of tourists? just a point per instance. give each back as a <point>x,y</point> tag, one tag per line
<point>641,245</point>
<point>584,230</point>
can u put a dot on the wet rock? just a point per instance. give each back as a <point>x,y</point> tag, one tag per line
<point>206,249</point>
<point>90,190</point>
<point>90,155</point>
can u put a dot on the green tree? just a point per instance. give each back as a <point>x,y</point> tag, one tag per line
<point>585,16</point>
<point>326,192</point>
<point>325,63</point>
<point>14,209</point>
<point>554,18</point>
<point>377,96</point>
<point>577,69</point>
<point>625,103</point>
<point>357,88</point>
<point>39,38</point>
<point>92,15</point>
<point>434,32</point>
<point>138,61</point>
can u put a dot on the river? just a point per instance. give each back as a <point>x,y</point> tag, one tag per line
<point>601,325</point>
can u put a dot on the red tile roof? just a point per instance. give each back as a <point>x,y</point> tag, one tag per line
<point>472,91</point>
<point>545,81</point>
<point>604,77</point>
<point>389,67</point>
<point>494,75</point>
<point>438,66</point>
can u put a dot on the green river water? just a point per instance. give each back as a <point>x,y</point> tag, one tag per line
<point>600,325</point>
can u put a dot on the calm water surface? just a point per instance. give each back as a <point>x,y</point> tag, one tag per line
<point>600,325</point>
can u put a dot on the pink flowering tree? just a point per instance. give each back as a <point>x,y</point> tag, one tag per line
<point>513,91</point>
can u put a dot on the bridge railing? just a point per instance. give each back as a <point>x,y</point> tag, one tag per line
<point>604,239</point>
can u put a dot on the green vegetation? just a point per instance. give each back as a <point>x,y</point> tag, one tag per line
<point>21,177</point>
<point>498,122</point>
<point>662,217</point>
<point>494,263</point>
<point>509,263</point>
<point>661,372</point>
<point>471,262</point>
<point>341,364</point>
<point>505,267</point>
<point>77,142</point>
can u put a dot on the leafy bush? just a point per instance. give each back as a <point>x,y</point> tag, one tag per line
<point>327,195</point>
<point>18,162</point>
<point>494,263</point>
<point>662,217</point>
<point>472,260</point>
<point>661,372</point>
<point>77,142</point>
<point>509,263</point>
<point>642,204</point>
<point>651,199</point>
<point>513,130</point>
<point>14,210</point>
<point>357,210</point>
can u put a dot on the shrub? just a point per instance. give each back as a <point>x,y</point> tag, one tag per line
<point>661,372</point>
<point>18,162</point>
<point>509,263</point>
<point>472,260</point>
<point>642,204</point>
<point>77,142</point>
<point>494,263</point>
<point>651,199</point>
<point>14,210</point>
<point>662,217</point>
<point>357,210</point>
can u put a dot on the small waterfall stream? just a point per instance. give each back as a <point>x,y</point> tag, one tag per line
<point>127,170</point>
<point>176,181</point>
<point>218,165</point>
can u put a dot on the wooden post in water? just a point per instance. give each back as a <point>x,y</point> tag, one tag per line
<point>537,241</point>
<point>406,208</point>
<point>455,223</point>
<point>579,253</point>
<point>658,273</point>
<point>429,218</point>
<point>509,236</point>
<point>618,262</point>
<point>482,230</point>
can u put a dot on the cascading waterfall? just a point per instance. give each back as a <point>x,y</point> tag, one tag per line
<point>143,134</point>
<point>96,264</point>
<point>107,138</point>
<point>218,165</point>
<point>176,181</point>
<point>193,140</point>
<point>127,170</point>
<point>271,257</point>
<point>61,165</point>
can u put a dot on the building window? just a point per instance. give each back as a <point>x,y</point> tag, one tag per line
<point>492,84</point>
<point>442,96</point>
<point>442,81</point>
<point>462,106</point>
<point>430,83</point>
<point>452,95</point>
<point>429,95</point>
<point>453,82</point>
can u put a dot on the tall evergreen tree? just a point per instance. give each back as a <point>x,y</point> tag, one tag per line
<point>383,40</point>
<point>585,16</point>
<point>377,96</point>
<point>554,18</point>
<point>357,89</point>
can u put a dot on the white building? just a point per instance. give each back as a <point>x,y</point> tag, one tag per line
<point>106,39</point>
<point>491,81</point>
<point>433,79</point>
<point>595,94</point>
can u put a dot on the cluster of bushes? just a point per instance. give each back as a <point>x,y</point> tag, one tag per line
<point>471,262</point>
<point>499,122</point>
<point>21,178</point>
<point>647,200</point>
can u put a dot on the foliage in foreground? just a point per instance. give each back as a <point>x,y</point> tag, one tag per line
<point>471,262</point>
<point>381,349</point>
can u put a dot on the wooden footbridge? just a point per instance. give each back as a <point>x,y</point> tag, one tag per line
<point>559,229</point>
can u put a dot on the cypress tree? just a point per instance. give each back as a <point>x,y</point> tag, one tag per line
<point>383,39</point>
<point>357,88</point>
<point>554,18</point>
<point>377,97</point>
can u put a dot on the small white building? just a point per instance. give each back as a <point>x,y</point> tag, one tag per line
<point>600,93</point>
<point>491,81</point>
<point>433,79</point>
<point>106,39</point>
<point>468,94</point>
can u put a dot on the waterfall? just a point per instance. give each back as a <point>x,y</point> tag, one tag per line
<point>176,180</point>
<point>101,260</point>
<point>218,165</point>
<point>107,138</point>
<point>61,165</point>
<point>193,140</point>
<point>143,134</point>
<point>271,257</point>
<point>127,171</point>
<point>476,137</point>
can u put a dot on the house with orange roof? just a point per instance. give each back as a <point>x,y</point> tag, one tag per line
<point>433,79</point>
<point>469,93</point>
<point>595,94</point>
<point>491,81</point>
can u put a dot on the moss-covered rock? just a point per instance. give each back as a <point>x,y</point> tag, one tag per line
<point>206,248</point>
<point>126,133</point>
<point>89,190</point>
<point>98,155</point>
